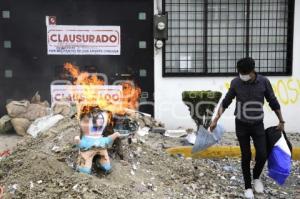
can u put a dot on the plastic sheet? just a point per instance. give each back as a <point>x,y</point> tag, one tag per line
<point>280,161</point>
<point>43,124</point>
<point>206,139</point>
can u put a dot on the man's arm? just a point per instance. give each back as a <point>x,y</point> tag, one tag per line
<point>281,121</point>
<point>230,95</point>
<point>274,104</point>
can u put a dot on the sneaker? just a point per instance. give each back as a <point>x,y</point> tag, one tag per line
<point>258,186</point>
<point>249,194</point>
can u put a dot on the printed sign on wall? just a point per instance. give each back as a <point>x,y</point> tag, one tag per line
<point>83,40</point>
<point>76,93</point>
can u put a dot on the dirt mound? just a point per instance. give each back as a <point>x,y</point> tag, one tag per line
<point>44,168</point>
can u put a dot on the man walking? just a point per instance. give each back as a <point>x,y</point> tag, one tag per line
<point>250,89</point>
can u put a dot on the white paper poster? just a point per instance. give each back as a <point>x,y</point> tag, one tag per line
<point>76,93</point>
<point>83,40</point>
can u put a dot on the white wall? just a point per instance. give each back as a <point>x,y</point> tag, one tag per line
<point>170,109</point>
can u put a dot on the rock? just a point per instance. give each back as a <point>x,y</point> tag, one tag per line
<point>134,140</point>
<point>63,108</point>
<point>229,168</point>
<point>159,130</point>
<point>56,149</point>
<point>140,188</point>
<point>36,99</point>
<point>13,188</point>
<point>17,108</point>
<point>147,120</point>
<point>124,163</point>
<point>143,131</point>
<point>233,178</point>
<point>36,111</point>
<point>132,172</point>
<point>194,186</point>
<point>5,124</point>
<point>20,125</point>
<point>76,188</point>
<point>31,185</point>
<point>150,186</point>
<point>23,109</point>
<point>134,167</point>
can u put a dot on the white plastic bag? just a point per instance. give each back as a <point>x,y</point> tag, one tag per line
<point>280,161</point>
<point>43,124</point>
<point>206,139</point>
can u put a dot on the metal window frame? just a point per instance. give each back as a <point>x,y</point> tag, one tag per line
<point>289,50</point>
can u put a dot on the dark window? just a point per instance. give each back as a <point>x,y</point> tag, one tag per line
<point>207,37</point>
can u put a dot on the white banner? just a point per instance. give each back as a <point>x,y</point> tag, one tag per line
<point>83,40</point>
<point>75,93</point>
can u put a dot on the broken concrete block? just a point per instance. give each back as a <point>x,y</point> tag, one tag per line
<point>63,108</point>
<point>5,124</point>
<point>143,131</point>
<point>36,99</point>
<point>23,109</point>
<point>36,111</point>
<point>20,125</point>
<point>17,108</point>
<point>147,120</point>
<point>159,130</point>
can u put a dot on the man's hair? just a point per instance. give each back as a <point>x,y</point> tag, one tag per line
<point>245,65</point>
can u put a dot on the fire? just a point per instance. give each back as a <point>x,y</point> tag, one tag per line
<point>128,99</point>
<point>82,78</point>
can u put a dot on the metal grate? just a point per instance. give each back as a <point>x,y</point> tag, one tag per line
<point>207,37</point>
<point>268,34</point>
<point>184,50</point>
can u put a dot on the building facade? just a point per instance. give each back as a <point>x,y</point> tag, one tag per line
<point>223,32</point>
<point>205,39</point>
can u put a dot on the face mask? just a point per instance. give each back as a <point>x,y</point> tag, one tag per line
<point>245,78</point>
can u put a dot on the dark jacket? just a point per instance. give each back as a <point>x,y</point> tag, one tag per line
<point>250,98</point>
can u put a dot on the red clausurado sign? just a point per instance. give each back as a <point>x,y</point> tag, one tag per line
<point>83,40</point>
<point>77,93</point>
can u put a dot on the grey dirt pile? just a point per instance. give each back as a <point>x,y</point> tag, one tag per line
<point>44,168</point>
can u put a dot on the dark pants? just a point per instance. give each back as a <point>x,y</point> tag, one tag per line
<point>257,132</point>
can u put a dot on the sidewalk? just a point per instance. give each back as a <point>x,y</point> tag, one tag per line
<point>219,152</point>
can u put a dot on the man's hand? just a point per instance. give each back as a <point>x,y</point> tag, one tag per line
<point>213,124</point>
<point>280,126</point>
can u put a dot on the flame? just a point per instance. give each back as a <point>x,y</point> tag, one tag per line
<point>131,95</point>
<point>129,98</point>
<point>82,78</point>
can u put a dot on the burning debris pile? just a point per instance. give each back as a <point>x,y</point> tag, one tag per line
<point>44,167</point>
<point>44,164</point>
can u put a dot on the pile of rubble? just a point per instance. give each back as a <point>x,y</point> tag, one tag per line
<point>22,113</point>
<point>23,116</point>
<point>44,166</point>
